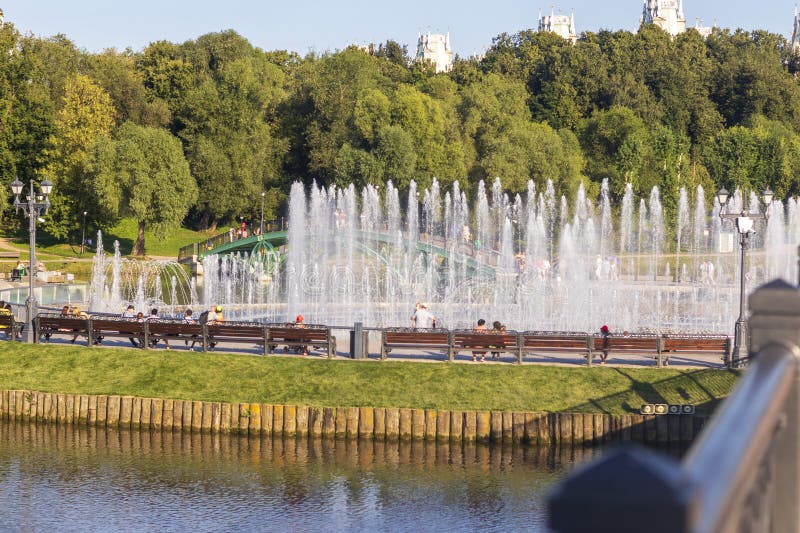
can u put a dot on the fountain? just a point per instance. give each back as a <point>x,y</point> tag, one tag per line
<point>534,261</point>
<point>145,284</point>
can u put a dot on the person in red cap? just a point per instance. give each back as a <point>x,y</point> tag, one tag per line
<point>605,333</point>
<point>298,323</point>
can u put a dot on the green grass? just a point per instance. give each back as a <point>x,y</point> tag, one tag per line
<point>316,382</point>
<point>125,232</point>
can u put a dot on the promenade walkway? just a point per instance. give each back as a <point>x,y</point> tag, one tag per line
<point>424,356</point>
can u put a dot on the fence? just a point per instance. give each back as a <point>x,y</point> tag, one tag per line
<point>743,474</point>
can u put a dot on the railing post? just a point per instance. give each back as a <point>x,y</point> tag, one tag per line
<point>775,318</point>
<point>146,329</point>
<point>660,352</point>
<point>590,349</point>
<point>520,348</point>
<point>89,333</point>
<point>450,347</point>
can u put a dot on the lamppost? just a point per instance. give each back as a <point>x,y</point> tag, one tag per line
<point>83,233</point>
<point>744,225</point>
<point>34,206</point>
<point>263,194</point>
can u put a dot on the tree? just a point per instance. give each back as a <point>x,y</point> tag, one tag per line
<point>86,115</point>
<point>142,174</point>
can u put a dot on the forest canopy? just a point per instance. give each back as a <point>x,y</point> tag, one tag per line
<point>234,120</point>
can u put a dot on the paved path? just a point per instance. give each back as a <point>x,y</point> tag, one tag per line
<point>423,356</point>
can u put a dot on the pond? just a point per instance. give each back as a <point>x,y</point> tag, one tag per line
<point>85,479</point>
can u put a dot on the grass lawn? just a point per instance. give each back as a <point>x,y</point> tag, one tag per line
<point>316,382</point>
<point>125,232</point>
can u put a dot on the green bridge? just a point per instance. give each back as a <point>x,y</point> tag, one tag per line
<point>275,239</point>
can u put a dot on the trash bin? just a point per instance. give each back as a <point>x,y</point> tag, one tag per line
<point>364,343</point>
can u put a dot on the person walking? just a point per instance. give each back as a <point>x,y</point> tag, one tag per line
<point>604,333</point>
<point>422,317</point>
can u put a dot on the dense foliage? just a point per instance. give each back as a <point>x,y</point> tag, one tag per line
<point>634,108</point>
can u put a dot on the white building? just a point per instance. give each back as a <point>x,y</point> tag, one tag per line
<point>436,49</point>
<point>666,14</point>
<point>562,25</point>
<point>704,31</point>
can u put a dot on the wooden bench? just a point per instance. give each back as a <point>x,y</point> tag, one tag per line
<point>647,345</point>
<point>715,345</point>
<point>310,337</point>
<point>10,326</point>
<point>9,255</point>
<point>418,339</point>
<point>487,341</point>
<point>235,333</point>
<point>547,342</point>
<point>50,324</point>
<point>116,327</point>
<point>164,329</point>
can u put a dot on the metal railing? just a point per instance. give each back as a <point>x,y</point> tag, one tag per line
<point>232,235</point>
<point>743,474</point>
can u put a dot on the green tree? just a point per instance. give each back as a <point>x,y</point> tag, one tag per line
<point>87,114</point>
<point>142,174</point>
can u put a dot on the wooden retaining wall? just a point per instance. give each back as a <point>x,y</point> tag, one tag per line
<point>347,422</point>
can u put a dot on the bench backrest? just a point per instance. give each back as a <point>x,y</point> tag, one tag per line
<point>554,342</point>
<point>427,337</point>
<point>59,322</point>
<point>697,344</point>
<point>295,334</point>
<point>122,325</point>
<point>477,339</point>
<point>648,343</point>
<point>173,327</point>
<point>234,330</point>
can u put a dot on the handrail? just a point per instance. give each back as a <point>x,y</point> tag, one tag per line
<point>727,457</point>
<point>742,474</point>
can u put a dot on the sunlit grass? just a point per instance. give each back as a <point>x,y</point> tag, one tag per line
<point>316,382</point>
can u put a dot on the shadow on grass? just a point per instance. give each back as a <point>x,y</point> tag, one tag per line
<point>653,393</point>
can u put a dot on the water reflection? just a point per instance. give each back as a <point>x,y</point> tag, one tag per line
<point>70,478</point>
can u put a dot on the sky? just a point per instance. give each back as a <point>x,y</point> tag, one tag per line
<point>307,26</point>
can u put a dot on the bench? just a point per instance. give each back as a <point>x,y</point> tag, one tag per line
<point>418,339</point>
<point>9,255</point>
<point>648,345</point>
<point>716,345</point>
<point>543,342</point>
<point>163,329</point>
<point>50,324</point>
<point>10,326</point>
<point>235,333</point>
<point>117,327</point>
<point>310,337</point>
<point>487,341</point>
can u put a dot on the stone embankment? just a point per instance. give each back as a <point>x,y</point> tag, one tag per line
<point>346,422</point>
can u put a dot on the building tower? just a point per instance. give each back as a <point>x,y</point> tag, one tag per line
<point>796,31</point>
<point>436,49</point>
<point>559,24</point>
<point>666,14</point>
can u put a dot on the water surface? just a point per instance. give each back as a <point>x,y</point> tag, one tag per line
<point>87,479</point>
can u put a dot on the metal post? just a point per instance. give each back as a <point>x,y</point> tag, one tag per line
<point>358,340</point>
<point>740,329</point>
<point>262,213</point>
<point>30,303</point>
<point>83,234</point>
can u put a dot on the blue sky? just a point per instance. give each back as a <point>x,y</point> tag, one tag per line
<point>306,25</point>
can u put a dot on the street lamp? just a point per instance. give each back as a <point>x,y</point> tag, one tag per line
<point>83,233</point>
<point>744,225</point>
<point>263,194</point>
<point>34,207</point>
